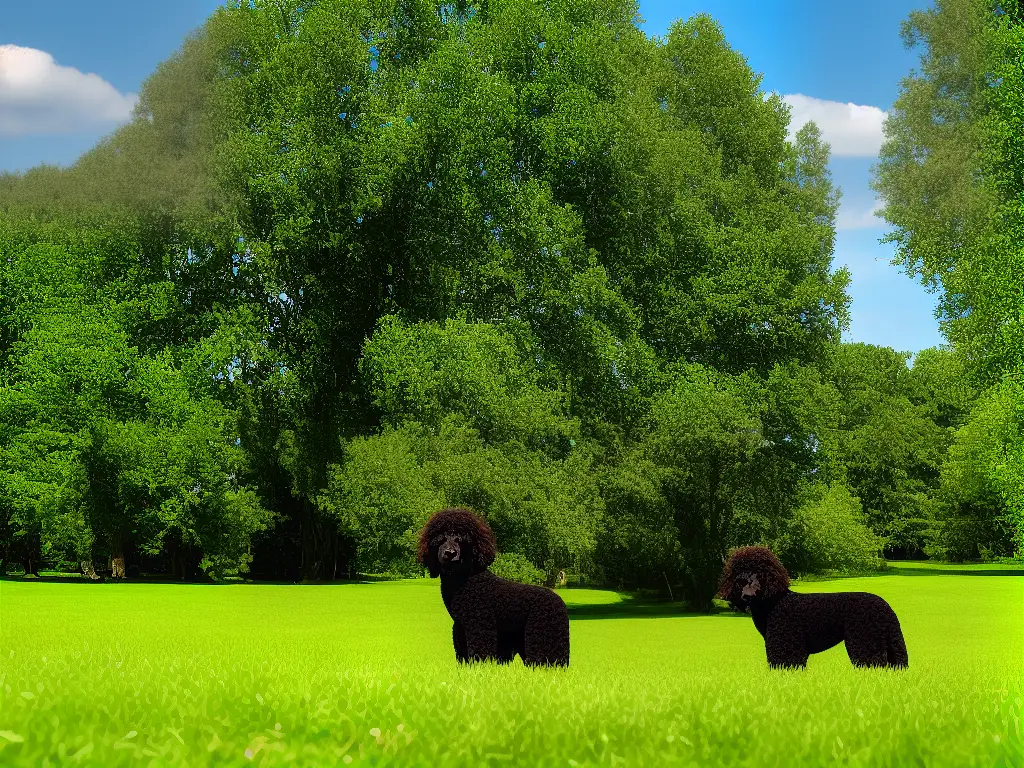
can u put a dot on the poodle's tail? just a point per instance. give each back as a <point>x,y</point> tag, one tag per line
<point>897,647</point>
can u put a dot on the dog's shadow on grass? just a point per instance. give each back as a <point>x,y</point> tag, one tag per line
<point>72,578</point>
<point>910,570</point>
<point>638,608</point>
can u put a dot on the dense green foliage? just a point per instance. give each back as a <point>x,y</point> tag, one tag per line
<point>353,261</point>
<point>893,441</point>
<point>832,534</point>
<point>116,675</point>
<point>950,175</point>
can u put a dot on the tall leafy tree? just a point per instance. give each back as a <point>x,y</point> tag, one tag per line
<point>983,481</point>
<point>541,163</point>
<point>724,461</point>
<point>949,174</point>
<point>950,177</point>
<point>111,449</point>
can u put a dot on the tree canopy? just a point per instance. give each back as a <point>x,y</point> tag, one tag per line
<point>351,262</point>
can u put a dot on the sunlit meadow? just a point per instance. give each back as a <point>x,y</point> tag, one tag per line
<point>155,674</point>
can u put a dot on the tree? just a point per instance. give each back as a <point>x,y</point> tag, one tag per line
<point>716,229</point>
<point>381,496</point>
<point>949,175</point>
<point>982,480</point>
<point>393,159</point>
<point>705,441</point>
<point>109,448</point>
<point>890,447</point>
<point>927,169</point>
<point>831,534</point>
<point>511,162</point>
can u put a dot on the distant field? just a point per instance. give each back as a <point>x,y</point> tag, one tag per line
<point>152,674</point>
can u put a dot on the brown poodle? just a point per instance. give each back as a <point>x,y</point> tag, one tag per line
<point>795,625</point>
<point>494,618</point>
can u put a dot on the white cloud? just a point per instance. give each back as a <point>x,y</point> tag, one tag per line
<point>852,130</point>
<point>859,218</point>
<point>37,96</point>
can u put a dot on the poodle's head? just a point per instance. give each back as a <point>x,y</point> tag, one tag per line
<point>751,574</point>
<point>456,542</point>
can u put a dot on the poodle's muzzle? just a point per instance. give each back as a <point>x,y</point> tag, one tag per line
<point>745,592</point>
<point>449,552</point>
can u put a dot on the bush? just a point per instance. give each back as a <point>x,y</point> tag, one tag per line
<point>381,497</point>
<point>515,567</point>
<point>968,534</point>
<point>830,533</point>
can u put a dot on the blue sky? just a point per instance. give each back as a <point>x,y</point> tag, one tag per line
<point>831,53</point>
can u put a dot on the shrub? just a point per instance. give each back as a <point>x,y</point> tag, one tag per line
<point>515,567</point>
<point>830,533</point>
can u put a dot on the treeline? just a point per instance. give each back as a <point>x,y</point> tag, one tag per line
<point>351,262</point>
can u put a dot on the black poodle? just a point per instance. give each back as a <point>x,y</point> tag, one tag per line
<point>795,625</point>
<point>494,618</point>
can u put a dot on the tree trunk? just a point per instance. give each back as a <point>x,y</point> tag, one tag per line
<point>554,578</point>
<point>184,559</point>
<point>318,536</point>
<point>171,547</point>
<point>117,570</point>
<point>703,537</point>
<point>347,547</point>
<point>707,578</point>
<point>89,571</point>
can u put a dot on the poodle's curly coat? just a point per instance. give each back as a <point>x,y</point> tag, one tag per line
<point>494,619</point>
<point>795,625</point>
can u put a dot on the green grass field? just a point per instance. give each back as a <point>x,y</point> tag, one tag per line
<point>152,674</point>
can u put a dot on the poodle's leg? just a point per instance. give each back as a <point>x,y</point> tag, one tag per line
<point>459,640</point>
<point>867,645</point>
<point>507,647</point>
<point>785,651</point>
<point>481,639</point>
<point>896,649</point>
<point>547,637</point>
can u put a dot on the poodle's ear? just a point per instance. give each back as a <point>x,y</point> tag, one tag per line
<point>774,575</point>
<point>485,546</point>
<point>433,567</point>
<point>425,554</point>
<point>731,568</point>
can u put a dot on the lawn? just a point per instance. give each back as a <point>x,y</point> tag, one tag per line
<point>364,674</point>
